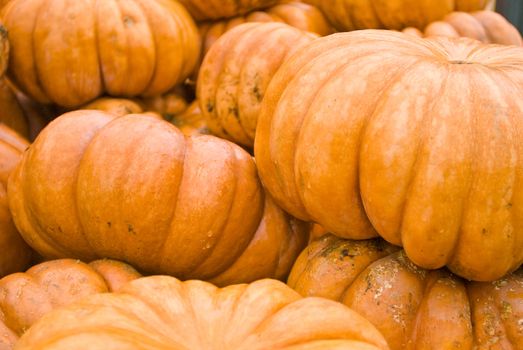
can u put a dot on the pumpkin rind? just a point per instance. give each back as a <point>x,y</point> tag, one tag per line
<point>418,139</point>
<point>191,122</point>
<point>415,309</point>
<point>161,312</point>
<point>215,9</point>
<point>116,50</point>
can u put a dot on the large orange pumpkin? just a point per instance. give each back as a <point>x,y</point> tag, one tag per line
<point>418,139</point>
<point>236,71</point>
<point>347,15</point>
<point>15,255</point>
<point>415,309</point>
<point>26,297</point>
<point>215,9</point>
<point>72,52</point>
<point>486,26</point>
<point>161,312</point>
<point>135,189</point>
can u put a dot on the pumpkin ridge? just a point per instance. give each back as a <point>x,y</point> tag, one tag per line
<point>97,44</point>
<point>36,69</point>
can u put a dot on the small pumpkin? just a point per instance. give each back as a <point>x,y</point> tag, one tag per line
<point>191,122</point>
<point>71,53</point>
<point>236,71</point>
<point>485,26</point>
<point>348,15</point>
<point>26,297</point>
<point>160,312</point>
<point>174,102</point>
<point>216,9</point>
<point>133,188</point>
<point>116,106</point>
<point>417,140</point>
<point>412,307</point>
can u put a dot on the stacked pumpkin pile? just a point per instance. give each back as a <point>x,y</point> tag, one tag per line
<point>202,152</point>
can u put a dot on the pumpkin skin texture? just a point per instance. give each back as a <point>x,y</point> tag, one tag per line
<point>191,122</point>
<point>133,188</point>
<point>398,150</point>
<point>485,26</point>
<point>26,297</point>
<point>236,71</point>
<point>415,309</point>
<point>160,312</point>
<point>116,106</point>
<point>83,49</point>
<point>216,9</point>
<point>348,15</point>
<point>15,254</point>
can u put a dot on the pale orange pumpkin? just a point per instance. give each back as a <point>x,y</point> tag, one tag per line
<point>133,188</point>
<point>71,53</point>
<point>236,71</point>
<point>413,308</point>
<point>26,297</point>
<point>215,9</point>
<point>418,140</point>
<point>161,312</point>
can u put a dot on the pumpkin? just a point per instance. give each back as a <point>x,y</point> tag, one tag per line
<point>116,106</point>
<point>413,308</point>
<point>417,139</point>
<point>16,255</point>
<point>160,312</point>
<point>485,26</point>
<point>174,102</point>
<point>71,53</point>
<point>215,9</point>
<point>4,50</point>
<point>26,297</point>
<point>347,15</point>
<point>236,71</point>
<point>133,188</point>
<point>191,122</point>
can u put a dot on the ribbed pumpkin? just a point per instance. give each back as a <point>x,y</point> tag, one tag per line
<point>135,189</point>
<point>485,26</point>
<point>418,139</point>
<point>347,15</point>
<point>236,71</point>
<point>116,106</point>
<point>191,122</point>
<point>15,254</point>
<point>172,103</point>
<point>26,297</point>
<point>72,52</point>
<point>161,312</point>
<point>215,9</point>
<point>415,309</point>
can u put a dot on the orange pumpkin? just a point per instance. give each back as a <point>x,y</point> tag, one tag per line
<point>135,189</point>
<point>4,50</point>
<point>417,139</point>
<point>15,254</point>
<point>116,106</point>
<point>347,15</point>
<point>191,122</point>
<point>71,53</point>
<point>413,308</point>
<point>26,297</point>
<point>236,71</point>
<point>161,312</point>
<point>485,26</point>
<point>172,103</point>
<point>215,9</point>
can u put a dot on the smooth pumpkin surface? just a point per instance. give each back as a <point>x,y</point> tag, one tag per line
<point>215,9</point>
<point>191,122</point>
<point>485,26</point>
<point>161,312</point>
<point>83,49</point>
<point>348,15</point>
<point>133,188</point>
<point>15,254</point>
<point>418,140</point>
<point>236,71</point>
<point>26,297</point>
<point>415,309</point>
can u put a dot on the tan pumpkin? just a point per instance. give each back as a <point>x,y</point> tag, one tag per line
<point>415,309</point>
<point>236,71</point>
<point>161,312</point>
<point>26,297</point>
<point>15,254</point>
<point>417,139</point>
<point>348,15</point>
<point>71,53</point>
<point>485,26</point>
<point>215,9</point>
<point>191,122</point>
<point>135,189</point>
